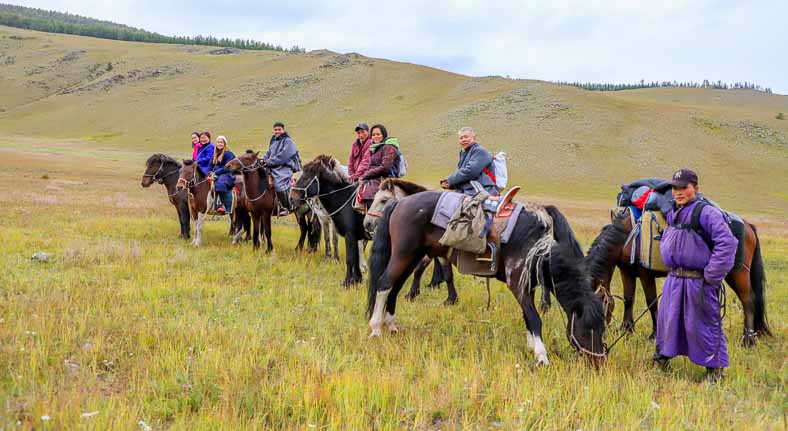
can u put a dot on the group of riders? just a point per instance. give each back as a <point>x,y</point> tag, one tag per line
<point>698,260</point>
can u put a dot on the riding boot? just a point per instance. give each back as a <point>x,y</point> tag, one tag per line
<point>284,203</point>
<point>227,201</point>
<point>714,375</point>
<point>660,359</point>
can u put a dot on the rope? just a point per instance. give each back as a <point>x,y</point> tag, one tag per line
<point>643,313</point>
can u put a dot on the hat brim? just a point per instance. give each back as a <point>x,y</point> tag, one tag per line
<point>680,183</point>
<point>361,128</point>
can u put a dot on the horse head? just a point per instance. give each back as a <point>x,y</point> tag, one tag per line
<point>322,174</point>
<point>390,190</point>
<point>189,175</point>
<point>157,168</point>
<point>247,161</point>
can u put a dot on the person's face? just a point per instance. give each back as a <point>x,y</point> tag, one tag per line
<point>377,136</point>
<point>362,134</point>
<point>278,131</point>
<point>684,195</point>
<point>195,140</point>
<point>466,138</point>
<point>204,139</point>
<point>220,144</point>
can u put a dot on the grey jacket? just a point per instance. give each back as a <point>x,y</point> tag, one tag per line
<point>282,160</point>
<point>473,161</point>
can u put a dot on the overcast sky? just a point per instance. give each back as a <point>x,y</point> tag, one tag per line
<point>600,41</point>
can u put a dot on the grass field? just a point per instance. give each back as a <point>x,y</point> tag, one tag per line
<point>128,327</point>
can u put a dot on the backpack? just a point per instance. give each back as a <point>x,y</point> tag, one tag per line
<point>694,224</point>
<point>501,177</point>
<point>400,167</point>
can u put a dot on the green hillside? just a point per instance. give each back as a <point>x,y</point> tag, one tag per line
<point>561,141</point>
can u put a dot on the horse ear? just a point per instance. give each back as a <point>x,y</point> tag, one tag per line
<point>257,154</point>
<point>612,215</point>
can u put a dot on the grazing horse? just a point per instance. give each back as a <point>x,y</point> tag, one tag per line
<point>611,249</point>
<point>200,198</point>
<point>258,194</point>
<point>163,169</point>
<point>392,190</point>
<point>323,179</point>
<point>542,250</point>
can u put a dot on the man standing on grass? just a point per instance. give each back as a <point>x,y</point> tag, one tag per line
<point>700,250</point>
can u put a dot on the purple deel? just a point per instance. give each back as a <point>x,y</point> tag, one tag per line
<point>689,321</point>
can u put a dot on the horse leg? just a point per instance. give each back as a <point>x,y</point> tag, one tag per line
<point>546,302</point>
<point>449,276</point>
<point>533,322</point>
<point>256,220</point>
<point>437,274</point>
<point>183,218</point>
<point>198,230</point>
<point>352,271</point>
<point>267,228</point>
<point>649,284</point>
<point>391,303</point>
<point>417,273</point>
<point>302,225</point>
<point>629,282</point>
<point>335,241</point>
<point>362,257</point>
<point>740,283</point>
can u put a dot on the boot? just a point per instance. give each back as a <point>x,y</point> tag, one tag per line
<point>284,203</point>
<point>714,375</point>
<point>660,359</point>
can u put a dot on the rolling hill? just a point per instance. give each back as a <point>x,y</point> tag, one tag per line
<point>121,101</point>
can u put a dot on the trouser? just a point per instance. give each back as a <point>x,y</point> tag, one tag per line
<point>226,199</point>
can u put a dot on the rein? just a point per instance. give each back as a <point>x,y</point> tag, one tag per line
<point>253,167</point>
<point>315,179</point>
<point>160,179</point>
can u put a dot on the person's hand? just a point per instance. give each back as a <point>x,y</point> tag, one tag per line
<point>212,175</point>
<point>445,184</point>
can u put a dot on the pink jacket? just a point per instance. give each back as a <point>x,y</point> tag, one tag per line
<point>358,163</point>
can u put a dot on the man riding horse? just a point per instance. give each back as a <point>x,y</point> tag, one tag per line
<point>282,160</point>
<point>476,164</point>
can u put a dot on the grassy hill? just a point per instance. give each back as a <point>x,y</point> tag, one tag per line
<point>561,141</point>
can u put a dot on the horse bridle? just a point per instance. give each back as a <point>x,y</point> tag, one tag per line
<point>160,179</point>
<point>254,166</point>
<point>315,179</point>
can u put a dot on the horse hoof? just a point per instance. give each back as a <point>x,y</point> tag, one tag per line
<point>749,341</point>
<point>375,333</point>
<point>653,336</point>
<point>542,361</point>
<point>628,327</point>
<point>449,301</point>
<point>544,309</point>
<point>411,296</point>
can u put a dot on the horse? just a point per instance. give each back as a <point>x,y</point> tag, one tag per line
<point>322,178</point>
<point>392,190</point>
<point>610,250</point>
<point>200,197</point>
<point>542,250</point>
<point>163,169</point>
<point>259,195</point>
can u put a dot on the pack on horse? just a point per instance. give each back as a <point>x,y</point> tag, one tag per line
<point>613,248</point>
<point>163,169</point>
<point>259,196</point>
<point>391,190</point>
<point>542,249</point>
<point>322,178</point>
<point>201,199</point>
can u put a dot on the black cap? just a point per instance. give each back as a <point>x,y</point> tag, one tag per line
<point>684,177</point>
<point>362,126</point>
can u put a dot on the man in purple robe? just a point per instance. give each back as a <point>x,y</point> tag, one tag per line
<point>689,321</point>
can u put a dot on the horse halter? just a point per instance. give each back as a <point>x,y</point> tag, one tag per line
<point>574,342</point>
<point>254,166</point>
<point>160,179</point>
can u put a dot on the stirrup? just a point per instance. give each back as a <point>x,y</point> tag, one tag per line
<point>493,259</point>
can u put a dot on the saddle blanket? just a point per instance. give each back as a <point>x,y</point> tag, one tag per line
<point>450,201</point>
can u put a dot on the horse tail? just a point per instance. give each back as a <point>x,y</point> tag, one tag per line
<point>562,232</point>
<point>758,285</point>
<point>380,256</point>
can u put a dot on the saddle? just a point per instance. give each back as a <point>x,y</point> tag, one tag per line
<point>498,209</point>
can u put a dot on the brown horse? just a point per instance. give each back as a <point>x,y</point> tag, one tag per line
<point>201,196</point>
<point>611,249</point>
<point>163,169</point>
<point>259,196</point>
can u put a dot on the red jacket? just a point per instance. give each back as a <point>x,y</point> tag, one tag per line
<point>358,163</point>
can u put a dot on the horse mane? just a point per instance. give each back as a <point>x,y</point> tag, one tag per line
<point>408,187</point>
<point>161,157</point>
<point>600,257</point>
<point>316,166</point>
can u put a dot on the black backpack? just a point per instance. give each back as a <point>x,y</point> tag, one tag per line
<point>694,224</point>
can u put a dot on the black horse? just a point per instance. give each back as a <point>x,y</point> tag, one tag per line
<point>163,169</point>
<point>542,250</point>
<point>323,178</point>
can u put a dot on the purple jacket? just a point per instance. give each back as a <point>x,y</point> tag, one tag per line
<point>688,320</point>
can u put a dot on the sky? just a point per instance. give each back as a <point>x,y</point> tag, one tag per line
<point>557,40</point>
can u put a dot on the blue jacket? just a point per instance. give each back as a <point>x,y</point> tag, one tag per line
<point>224,180</point>
<point>473,161</point>
<point>204,158</point>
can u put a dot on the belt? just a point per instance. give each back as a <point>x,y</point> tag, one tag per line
<point>686,273</point>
